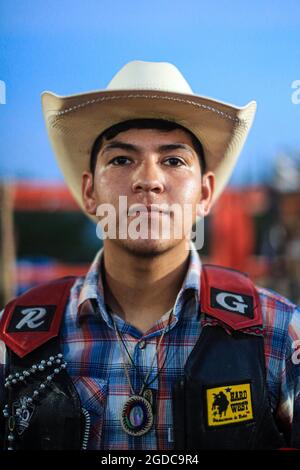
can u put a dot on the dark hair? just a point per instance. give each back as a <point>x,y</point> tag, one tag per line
<point>160,124</point>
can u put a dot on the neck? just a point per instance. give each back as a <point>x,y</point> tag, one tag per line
<point>142,289</point>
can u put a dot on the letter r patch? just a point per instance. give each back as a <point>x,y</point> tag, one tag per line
<point>33,318</point>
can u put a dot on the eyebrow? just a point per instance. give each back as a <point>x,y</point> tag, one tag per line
<point>135,148</point>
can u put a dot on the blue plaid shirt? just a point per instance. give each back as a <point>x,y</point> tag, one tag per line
<point>95,362</point>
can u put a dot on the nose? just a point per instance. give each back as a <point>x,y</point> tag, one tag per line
<point>148,178</point>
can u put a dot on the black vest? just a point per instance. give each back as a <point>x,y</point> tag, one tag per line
<point>221,402</point>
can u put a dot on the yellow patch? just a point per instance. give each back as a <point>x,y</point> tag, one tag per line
<point>229,404</point>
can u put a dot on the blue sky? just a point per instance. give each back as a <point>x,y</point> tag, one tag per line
<point>230,50</point>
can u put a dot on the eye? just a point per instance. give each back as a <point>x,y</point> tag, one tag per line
<point>174,161</point>
<point>119,161</point>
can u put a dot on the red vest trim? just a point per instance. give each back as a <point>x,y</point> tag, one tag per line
<point>229,296</point>
<point>34,318</point>
<point>27,322</point>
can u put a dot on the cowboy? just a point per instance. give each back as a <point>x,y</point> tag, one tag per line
<point>150,349</point>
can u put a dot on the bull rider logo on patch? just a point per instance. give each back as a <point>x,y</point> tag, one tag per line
<point>229,404</point>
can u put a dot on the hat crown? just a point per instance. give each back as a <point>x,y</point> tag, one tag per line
<point>141,75</point>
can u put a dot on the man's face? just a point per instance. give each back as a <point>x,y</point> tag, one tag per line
<point>149,167</point>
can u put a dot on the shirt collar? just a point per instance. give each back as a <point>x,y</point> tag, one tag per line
<point>92,292</point>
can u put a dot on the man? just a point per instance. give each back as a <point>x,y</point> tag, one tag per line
<point>151,349</point>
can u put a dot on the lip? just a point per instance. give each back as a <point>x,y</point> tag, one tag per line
<point>149,208</point>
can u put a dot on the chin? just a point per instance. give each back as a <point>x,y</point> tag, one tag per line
<point>148,248</point>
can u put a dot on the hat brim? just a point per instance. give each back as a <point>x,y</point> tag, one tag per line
<point>74,122</point>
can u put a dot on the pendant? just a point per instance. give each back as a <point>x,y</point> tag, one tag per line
<point>137,416</point>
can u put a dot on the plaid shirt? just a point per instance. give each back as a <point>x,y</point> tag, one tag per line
<point>95,363</point>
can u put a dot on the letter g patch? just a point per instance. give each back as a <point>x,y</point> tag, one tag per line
<point>233,302</point>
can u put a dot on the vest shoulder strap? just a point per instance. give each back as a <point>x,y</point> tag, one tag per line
<point>35,317</point>
<point>230,296</point>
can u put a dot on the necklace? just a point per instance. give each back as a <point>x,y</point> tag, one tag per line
<point>137,413</point>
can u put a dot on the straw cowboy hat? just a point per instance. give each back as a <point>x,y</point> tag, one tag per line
<point>144,90</point>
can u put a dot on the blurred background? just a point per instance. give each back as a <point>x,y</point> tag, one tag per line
<point>229,50</point>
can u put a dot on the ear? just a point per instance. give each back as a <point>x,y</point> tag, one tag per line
<point>207,191</point>
<point>88,194</point>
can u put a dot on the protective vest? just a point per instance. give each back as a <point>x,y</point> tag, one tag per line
<point>220,402</point>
